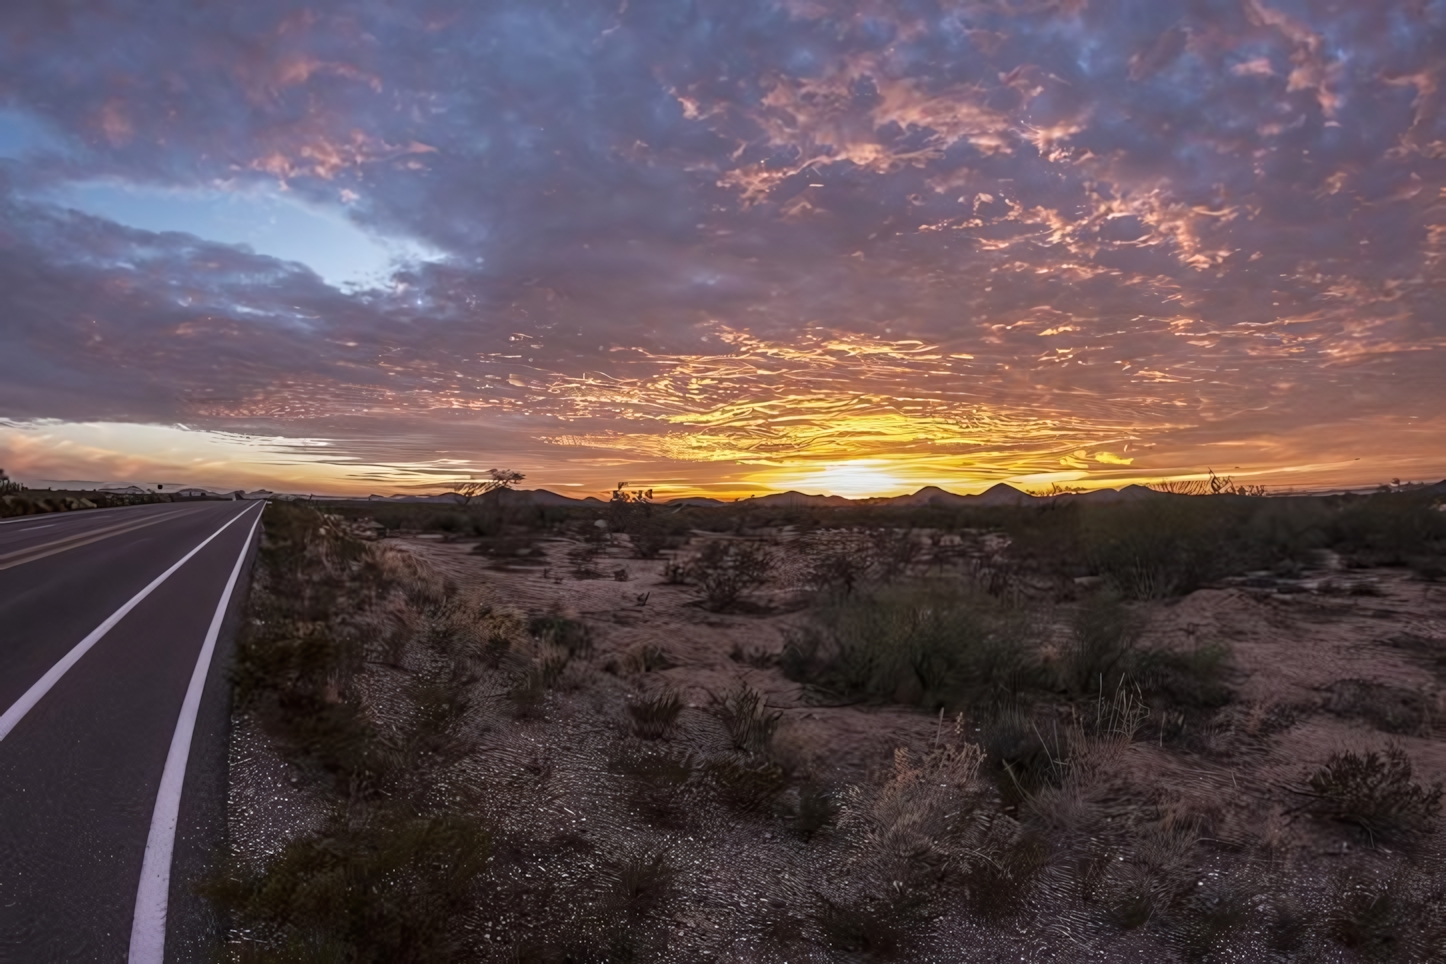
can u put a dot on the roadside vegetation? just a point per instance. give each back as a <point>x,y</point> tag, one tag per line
<point>919,734</point>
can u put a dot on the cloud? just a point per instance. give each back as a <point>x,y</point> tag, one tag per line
<point>972,237</point>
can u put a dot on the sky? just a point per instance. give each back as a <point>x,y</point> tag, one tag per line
<point>723,247</point>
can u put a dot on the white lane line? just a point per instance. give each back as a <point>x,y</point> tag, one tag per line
<point>62,543</point>
<point>148,927</point>
<point>37,528</point>
<point>73,513</point>
<point>43,685</point>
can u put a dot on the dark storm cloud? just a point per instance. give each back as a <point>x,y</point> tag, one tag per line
<point>1197,220</point>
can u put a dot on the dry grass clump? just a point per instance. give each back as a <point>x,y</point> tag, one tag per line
<point>648,658</point>
<point>909,840</point>
<point>1395,915</point>
<point>655,716</point>
<point>746,716</point>
<point>661,784</point>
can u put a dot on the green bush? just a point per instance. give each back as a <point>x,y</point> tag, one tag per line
<point>1191,680</point>
<point>926,646</point>
<point>1103,641</point>
<point>1390,529</point>
<point>384,890</point>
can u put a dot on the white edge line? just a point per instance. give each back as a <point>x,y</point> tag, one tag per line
<point>148,926</point>
<point>37,692</point>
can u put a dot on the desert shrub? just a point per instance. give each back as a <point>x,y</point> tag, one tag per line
<point>528,694</point>
<point>746,784</point>
<point>1390,529</point>
<point>655,716</point>
<point>817,810</point>
<point>1191,679</point>
<point>648,537</point>
<point>9,486</point>
<point>507,546</point>
<point>1008,872</point>
<point>535,675</point>
<point>1399,917</point>
<point>1104,655</point>
<point>640,883</point>
<point>1156,548</point>
<point>1218,911</point>
<point>649,658</point>
<point>724,571</point>
<point>437,707</point>
<point>880,926</point>
<point>384,889</point>
<point>1375,792</point>
<point>296,656</point>
<point>1387,708</point>
<point>892,551</point>
<point>583,560</point>
<point>745,714</point>
<point>1152,878</point>
<point>1023,757</point>
<point>835,566</point>
<point>1104,635</point>
<point>1283,533</point>
<point>659,783</point>
<point>908,838</point>
<point>921,646</point>
<point>572,635</point>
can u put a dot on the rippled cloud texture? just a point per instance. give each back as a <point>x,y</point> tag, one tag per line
<point>733,244</point>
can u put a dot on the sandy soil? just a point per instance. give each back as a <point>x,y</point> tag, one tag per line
<point>1303,653</point>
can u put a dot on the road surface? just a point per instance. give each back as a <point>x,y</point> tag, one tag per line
<point>115,628</point>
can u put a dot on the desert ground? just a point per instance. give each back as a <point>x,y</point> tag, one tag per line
<point>881,743</point>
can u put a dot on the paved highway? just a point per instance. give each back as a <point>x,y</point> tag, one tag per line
<point>114,632</point>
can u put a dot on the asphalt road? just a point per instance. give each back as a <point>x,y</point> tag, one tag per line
<point>113,709</point>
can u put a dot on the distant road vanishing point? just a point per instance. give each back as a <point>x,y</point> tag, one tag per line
<point>114,627</point>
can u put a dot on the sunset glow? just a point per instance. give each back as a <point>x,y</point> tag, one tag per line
<point>853,248</point>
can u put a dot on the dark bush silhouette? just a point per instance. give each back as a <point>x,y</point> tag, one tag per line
<point>1374,791</point>
<point>725,571</point>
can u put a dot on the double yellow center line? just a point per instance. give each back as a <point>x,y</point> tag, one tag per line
<point>20,557</point>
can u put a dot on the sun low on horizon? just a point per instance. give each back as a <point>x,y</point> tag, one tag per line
<point>852,248</point>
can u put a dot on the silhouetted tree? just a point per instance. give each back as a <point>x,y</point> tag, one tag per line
<point>497,480</point>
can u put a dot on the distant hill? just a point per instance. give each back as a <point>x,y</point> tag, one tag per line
<point>1001,493</point>
<point>797,499</point>
<point>1130,493</point>
<point>928,495</point>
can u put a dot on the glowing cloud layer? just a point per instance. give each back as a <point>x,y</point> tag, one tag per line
<point>735,246</point>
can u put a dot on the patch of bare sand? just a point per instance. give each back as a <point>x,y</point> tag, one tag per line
<point>1292,657</point>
